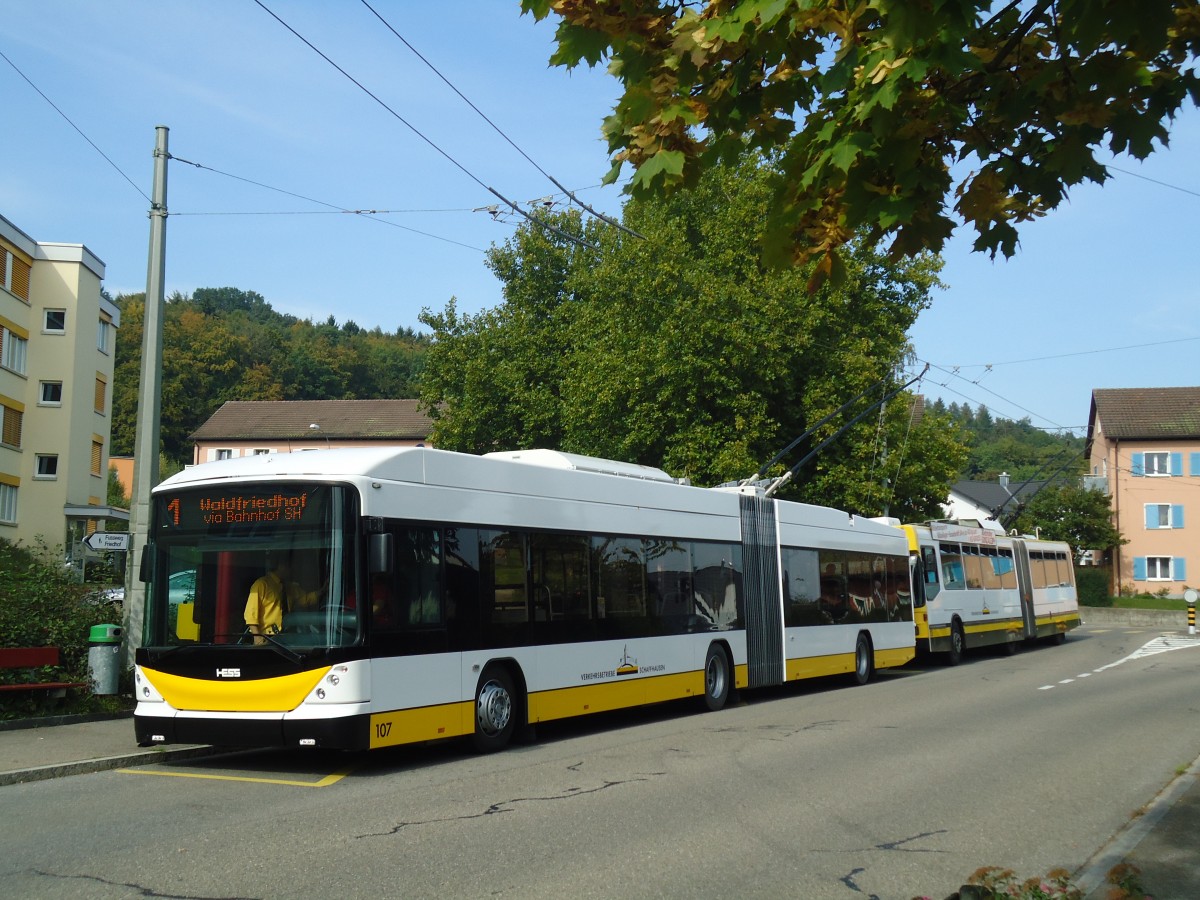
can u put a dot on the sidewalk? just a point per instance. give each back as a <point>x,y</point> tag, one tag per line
<point>74,745</point>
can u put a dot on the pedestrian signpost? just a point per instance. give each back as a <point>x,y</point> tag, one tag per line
<point>107,541</point>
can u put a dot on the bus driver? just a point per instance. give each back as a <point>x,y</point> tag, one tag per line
<point>272,595</point>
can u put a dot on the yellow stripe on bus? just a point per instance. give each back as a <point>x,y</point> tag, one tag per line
<point>428,723</point>
<point>546,706</point>
<point>843,663</point>
<point>258,695</point>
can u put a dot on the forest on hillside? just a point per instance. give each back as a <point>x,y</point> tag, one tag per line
<point>1018,448</point>
<point>224,344</point>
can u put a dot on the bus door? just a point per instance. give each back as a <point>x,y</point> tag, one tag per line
<point>926,586</point>
<point>1025,587</point>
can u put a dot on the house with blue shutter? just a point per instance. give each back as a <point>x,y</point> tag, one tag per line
<point>1144,451</point>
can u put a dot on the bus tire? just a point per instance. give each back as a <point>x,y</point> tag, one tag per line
<point>958,644</point>
<point>864,659</point>
<point>716,677</point>
<point>496,709</point>
<point>1060,638</point>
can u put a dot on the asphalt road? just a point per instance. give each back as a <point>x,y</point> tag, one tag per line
<point>893,790</point>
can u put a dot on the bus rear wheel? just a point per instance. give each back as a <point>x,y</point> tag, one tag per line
<point>958,644</point>
<point>864,660</point>
<point>716,678</point>
<point>495,710</point>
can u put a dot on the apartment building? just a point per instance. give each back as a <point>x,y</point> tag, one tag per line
<point>1144,451</point>
<point>57,347</point>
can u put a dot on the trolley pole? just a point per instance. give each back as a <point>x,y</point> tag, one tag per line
<point>147,443</point>
<point>1189,597</point>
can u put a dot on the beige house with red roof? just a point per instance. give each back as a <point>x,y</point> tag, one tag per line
<point>1144,446</point>
<point>248,427</point>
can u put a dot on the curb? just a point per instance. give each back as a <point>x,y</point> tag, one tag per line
<point>1091,876</point>
<point>73,719</point>
<point>88,766</point>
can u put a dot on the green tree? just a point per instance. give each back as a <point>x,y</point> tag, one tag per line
<point>1071,513</point>
<point>885,110</point>
<point>685,351</point>
<point>116,495</point>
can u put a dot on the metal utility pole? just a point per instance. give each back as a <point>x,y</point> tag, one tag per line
<point>147,444</point>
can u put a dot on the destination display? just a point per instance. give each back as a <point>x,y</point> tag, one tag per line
<point>245,506</point>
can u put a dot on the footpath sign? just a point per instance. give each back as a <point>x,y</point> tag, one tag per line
<point>110,541</point>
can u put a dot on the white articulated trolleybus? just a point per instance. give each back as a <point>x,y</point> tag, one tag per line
<point>448,594</point>
<point>976,586</point>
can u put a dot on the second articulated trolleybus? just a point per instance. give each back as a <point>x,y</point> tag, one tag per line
<point>976,587</point>
<point>429,594</point>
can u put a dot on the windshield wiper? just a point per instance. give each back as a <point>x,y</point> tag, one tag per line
<point>277,644</point>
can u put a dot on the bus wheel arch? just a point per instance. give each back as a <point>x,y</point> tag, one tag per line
<point>499,706</point>
<point>864,658</point>
<point>958,643</point>
<point>718,676</point>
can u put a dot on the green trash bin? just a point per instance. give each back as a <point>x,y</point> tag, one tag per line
<point>104,658</point>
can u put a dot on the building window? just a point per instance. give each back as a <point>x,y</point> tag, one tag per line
<point>1159,568</point>
<point>10,433</point>
<point>224,454</point>
<point>46,466</point>
<point>13,348</point>
<point>55,322</point>
<point>101,390</point>
<point>1158,464</point>
<point>8,503</point>
<point>261,452</point>
<point>1164,515</point>
<point>97,456</point>
<point>50,393</point>
<point>104,335</point>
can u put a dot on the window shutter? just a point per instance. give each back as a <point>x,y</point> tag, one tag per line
<point>1176,515</point>
<point>12,426</point>
<point>1151,515</point>
<point>1176,464</point>
<point>20,279</point>
<point>97,456</point>
<point>1194,464</point>
<point>1138,465</point>
<point>1139,568</point>
<point>1179,569</point>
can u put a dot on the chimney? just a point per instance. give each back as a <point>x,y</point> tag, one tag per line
<point>1004,479</point>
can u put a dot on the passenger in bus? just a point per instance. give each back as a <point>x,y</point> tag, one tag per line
<point>383,604</point>
<point>274,595</point>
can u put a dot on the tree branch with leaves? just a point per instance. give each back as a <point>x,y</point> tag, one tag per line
<point>897,117</point>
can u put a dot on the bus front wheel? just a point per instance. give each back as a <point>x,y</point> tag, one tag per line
<point>495,710</point>
<point>716,678</point>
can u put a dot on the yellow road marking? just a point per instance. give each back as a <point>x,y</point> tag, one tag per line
<point>324,782</point>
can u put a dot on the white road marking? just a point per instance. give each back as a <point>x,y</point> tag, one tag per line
<point>1160,644</point>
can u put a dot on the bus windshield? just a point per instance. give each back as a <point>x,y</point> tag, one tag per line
<point>254,564</point>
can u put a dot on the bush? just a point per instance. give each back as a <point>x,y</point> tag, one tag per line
<point>40,606</point>
<point>1092,584</point>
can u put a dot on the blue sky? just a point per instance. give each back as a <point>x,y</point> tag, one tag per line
<point>1104,292</point>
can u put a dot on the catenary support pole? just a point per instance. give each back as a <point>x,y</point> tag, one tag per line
<point>147,444</point>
